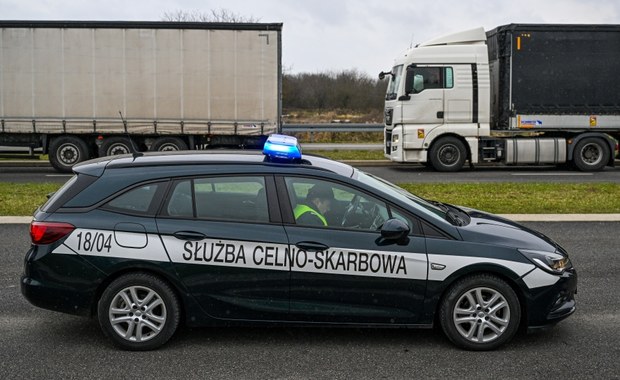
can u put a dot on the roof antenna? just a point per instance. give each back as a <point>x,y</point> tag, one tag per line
<point>134,149</point>
<point>411,43</point>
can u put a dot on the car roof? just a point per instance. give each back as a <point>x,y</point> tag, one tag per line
<point>154,160</point>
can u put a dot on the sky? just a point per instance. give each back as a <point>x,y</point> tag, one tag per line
<point>337,35</point>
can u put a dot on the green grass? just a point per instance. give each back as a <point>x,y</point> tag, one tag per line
<point>526,198</point>
<point>502,198</point>
<point>18,199</point>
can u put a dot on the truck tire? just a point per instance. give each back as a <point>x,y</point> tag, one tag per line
<point>591,154</point>
<point>448,154</point>
<point>166,144</point>
<point>113,146</point>
<point>66,151</point>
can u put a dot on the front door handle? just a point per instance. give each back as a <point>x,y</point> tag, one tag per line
<point>189,235</point>
<point>311,246</point>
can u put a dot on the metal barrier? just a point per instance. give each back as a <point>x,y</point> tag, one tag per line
<point>332,127</point>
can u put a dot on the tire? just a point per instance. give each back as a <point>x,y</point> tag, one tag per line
<point>591,154</point>
<point>151,319</point>
<point>448,154</point>
<point>467,314</point>
<point>166,144</point>
<point>113,146</point>
<point>66,151</point>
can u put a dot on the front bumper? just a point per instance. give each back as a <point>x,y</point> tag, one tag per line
<point>549,305</point>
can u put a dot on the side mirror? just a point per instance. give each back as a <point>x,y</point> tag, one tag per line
<point>394,229</point>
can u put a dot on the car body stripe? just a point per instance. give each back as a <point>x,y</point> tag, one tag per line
<point>455,263</point>
<point>539,278</point>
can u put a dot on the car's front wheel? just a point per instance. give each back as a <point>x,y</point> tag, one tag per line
<point>480,312</point>
<point>138,312</point>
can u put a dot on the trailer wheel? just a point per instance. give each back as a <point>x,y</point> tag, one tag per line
<point>166,144</point>
<point>591,154</point>
<point>113,146</point>
<point>448,154</point>
<point>66,151</point>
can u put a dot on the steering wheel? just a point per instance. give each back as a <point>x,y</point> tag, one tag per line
<point>375,216</point>
<point>350,210</point>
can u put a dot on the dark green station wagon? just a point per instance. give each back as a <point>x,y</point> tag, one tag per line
<point>147,242</point>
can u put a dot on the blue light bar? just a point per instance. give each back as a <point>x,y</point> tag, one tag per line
<point>282,147</point>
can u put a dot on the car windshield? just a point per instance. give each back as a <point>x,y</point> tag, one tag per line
<point>392,89</point>
<point>402,194</point>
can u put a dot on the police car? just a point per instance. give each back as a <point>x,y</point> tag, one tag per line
<point>145,243</point>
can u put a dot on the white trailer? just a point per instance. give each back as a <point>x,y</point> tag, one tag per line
<point>178,86</point>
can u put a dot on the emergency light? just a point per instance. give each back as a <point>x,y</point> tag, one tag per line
<point>282,147</point>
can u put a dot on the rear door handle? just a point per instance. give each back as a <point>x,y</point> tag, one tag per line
<point>311,246</point>
<point>189,235</point>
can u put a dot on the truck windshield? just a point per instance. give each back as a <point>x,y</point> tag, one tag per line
<point>392,90</point>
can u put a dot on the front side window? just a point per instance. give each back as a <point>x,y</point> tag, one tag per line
<point>428,78</point>
<point>226,198</point>
<point>321,203</point>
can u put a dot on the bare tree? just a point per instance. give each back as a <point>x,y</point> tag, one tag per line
<point>215,15</point>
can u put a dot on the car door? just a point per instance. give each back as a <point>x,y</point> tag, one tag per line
<point>228,245</point>
<point>425,103</point>
<point>345,271</point>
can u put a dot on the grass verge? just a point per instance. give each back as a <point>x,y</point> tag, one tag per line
<point>502,198</point>
<point>526,198</point>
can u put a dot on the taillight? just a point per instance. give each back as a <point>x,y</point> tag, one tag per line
<point>49,232</point>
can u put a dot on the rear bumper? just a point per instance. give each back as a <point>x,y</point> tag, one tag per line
<point>63,283</point>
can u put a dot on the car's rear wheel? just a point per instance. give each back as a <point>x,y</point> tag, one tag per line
<point>480,312</point>
<point>138,312</point>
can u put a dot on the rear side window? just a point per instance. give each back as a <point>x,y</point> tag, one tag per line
<point>239,198</point>
<point>138,200</point>
<point>70,189</point>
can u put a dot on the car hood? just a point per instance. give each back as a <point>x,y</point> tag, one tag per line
<point>492,229</point>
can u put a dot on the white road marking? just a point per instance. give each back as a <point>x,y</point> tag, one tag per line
<point>59,175</point>
<point>551,174</point>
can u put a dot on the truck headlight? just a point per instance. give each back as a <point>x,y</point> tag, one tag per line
<point>552,262</point>
<point>395,138</point>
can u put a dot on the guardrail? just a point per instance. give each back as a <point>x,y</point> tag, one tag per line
<point>332,127</point>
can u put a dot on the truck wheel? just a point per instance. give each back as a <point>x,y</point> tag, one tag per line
<point>165,144</point>
<point>115,145</point>
<point>591,154</point>
<point>138,312</point>
<point>66,151</point>
<point>448,155</point>
<point>480,313</point>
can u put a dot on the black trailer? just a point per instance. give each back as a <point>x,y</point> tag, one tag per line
<point>561,76</point>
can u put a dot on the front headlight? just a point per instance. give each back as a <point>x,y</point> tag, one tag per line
<point>395,138</point>
<point>552,262</point>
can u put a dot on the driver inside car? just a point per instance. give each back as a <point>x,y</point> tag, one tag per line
<point>318,202</point>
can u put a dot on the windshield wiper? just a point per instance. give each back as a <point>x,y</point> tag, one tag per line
<point>451,216</point>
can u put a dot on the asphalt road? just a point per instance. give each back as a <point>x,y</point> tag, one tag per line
<point>42,344</point>
<point>391,172</point>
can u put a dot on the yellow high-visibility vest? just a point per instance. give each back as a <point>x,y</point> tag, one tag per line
<point>302,209</point>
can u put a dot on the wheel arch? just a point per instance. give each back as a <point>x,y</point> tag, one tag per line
<point>503,273</point>
<point>449,134</point>
<point>610,142</point>
<point>152,270</point>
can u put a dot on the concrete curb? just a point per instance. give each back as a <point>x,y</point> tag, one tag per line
<point>514,217</point>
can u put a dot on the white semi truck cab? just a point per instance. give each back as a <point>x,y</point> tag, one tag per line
<point>519,94</point>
